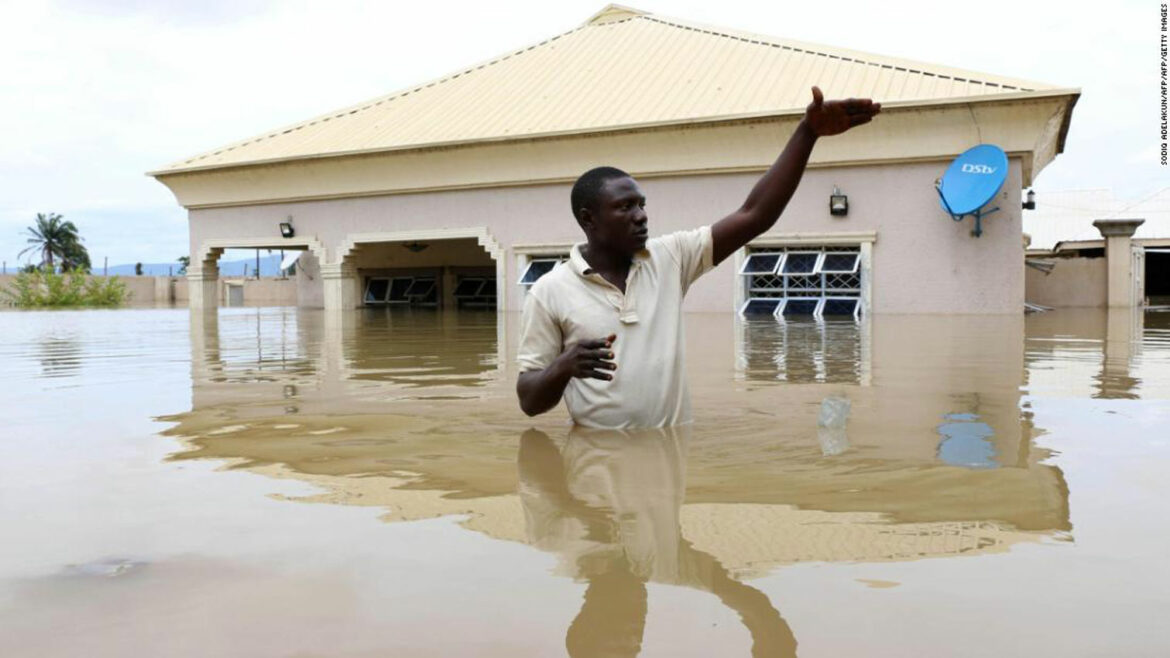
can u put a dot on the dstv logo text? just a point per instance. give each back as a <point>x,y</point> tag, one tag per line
<point>977,169</point>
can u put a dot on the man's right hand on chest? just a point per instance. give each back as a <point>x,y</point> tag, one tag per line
<point>589,358</point>
<point>541,390</point>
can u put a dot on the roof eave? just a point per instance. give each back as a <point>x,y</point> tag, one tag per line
<point>1074,93</point>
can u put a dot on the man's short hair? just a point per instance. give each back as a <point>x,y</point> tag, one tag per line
<point>587,189</point>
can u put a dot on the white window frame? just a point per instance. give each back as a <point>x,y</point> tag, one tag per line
<point>482,283</point>
<point>779,261</point>
<point>779,312</point>
<point>366,290</point>
<point>816,263</point>
<point>525,253</point>
<point>856,262</point>
<point>743,307</point>
<point>420,280</point>
<point>539,259</point>
<point>820,314</point>
<point>390,289</point>
<point>861,240</point>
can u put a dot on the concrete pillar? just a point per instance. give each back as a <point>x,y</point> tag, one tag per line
<point>205,352</point>
<point>340,287</point>
<point>339,331</point>
<point>203,286</point>
<point>448,289</point>
<point>1123,332</point>
<point>1118,234</point>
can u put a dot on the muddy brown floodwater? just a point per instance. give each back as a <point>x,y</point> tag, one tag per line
<point>278,482</point>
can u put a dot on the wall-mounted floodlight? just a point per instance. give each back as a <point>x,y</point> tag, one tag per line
<point>286,228</point>
<point>838,203</point>
<point>416,246</point>
<point>1030,204</point>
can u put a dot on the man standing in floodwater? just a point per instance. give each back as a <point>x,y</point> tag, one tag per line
<point>619,298</point>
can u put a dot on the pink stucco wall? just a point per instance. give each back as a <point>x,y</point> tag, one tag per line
<point>922,261</point>
<point>1072,282</point>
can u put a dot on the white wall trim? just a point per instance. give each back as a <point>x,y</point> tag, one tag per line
<point>210,250</point>
<point>480,233</point>
<point>537,249</point>
<point>825,238</point>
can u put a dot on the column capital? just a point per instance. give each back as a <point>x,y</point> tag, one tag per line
<point>195,274</point>
<point>1118,228</point>
<point>337,271</point>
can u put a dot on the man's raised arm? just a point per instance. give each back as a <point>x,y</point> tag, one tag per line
<point>771,194</point>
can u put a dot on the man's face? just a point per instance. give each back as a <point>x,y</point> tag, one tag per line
<point>620,223</point>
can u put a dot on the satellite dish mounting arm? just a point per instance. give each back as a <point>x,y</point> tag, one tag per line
<point>958,217</point>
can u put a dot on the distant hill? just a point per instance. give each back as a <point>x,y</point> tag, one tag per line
<point>269,266</point>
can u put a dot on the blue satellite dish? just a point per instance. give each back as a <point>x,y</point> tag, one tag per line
<point>972,180</point>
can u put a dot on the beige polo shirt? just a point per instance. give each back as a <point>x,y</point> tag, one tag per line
<point>573,303</point>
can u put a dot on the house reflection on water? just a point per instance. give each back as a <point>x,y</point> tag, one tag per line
<point>940,457</point>
<point>415,414</point>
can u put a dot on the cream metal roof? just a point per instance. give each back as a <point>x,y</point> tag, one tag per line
<point>621,69</point>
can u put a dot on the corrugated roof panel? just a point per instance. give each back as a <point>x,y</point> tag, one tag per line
<point>757,66</point>
<point>622,68</point>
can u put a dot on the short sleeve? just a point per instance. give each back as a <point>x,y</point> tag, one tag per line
<point>540,336</point>
<point>693,250</point>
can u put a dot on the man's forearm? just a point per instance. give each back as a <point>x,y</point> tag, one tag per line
<point>541,390</point>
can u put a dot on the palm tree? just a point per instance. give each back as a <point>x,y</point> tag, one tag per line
<point>53,237</point>
<point>75,258</point>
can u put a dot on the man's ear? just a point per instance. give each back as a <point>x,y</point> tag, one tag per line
<point>585,220</point>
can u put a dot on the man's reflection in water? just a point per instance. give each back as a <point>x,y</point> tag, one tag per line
<point>607,502</point>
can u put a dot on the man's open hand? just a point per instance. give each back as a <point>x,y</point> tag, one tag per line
<point>835,117</point>
<point>589,358</point>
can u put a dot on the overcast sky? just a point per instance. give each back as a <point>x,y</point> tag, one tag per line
<point>94,94</point>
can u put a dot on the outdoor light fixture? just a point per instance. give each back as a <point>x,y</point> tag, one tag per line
<point>838,203</point>
<point>416,246</point>
<point>286,228</point>
<point>1030,204</point>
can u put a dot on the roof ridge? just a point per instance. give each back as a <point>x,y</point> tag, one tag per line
<point>765,40</point>
<point>613,13</point>
<point>371,103</point>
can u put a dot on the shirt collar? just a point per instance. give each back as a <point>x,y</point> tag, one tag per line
<point>582,268</point>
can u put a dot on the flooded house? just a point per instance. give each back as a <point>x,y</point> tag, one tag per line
<point>454,193</point>
<point>1089,248</point>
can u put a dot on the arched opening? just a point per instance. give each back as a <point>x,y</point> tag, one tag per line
<point>265,272</point>
<point>455,273</point>
<point>443,269</point>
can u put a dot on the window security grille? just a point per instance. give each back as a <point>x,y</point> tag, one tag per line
<point>821,282</point>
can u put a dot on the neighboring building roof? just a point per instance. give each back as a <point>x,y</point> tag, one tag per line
<point>663,70</point>
<point>1067,216</point>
